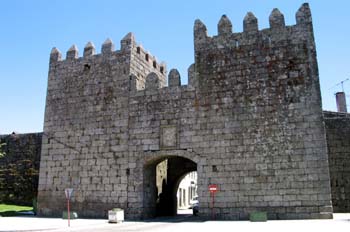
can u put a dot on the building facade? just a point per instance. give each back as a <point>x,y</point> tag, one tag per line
<point>249,120</point>
<point>187,191</point>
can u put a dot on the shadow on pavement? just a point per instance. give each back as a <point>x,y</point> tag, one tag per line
<point>176,219</point>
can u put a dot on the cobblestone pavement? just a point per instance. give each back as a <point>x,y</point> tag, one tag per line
<point>341,222</point>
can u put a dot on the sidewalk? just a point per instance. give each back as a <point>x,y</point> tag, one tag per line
<point>341,222</point>
<point>32,223</point>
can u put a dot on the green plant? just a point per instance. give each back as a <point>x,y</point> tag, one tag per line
<point>13,210</point>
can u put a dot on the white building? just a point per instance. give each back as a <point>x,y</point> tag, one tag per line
<point>187,190</point>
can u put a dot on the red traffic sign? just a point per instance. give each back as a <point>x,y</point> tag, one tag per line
<point>213,188</point>
<point>68,192</point>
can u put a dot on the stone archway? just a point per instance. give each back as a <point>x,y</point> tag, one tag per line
<point>164,203</point>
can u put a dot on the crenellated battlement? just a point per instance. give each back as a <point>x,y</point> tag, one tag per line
<point>153,82</point>
<point>246,55</point>
<point>251,34</point>
<point>117,70</point>
<point>213,54</point>
<point>151,59</point>
<point>127,46</point>
<point>283,56</point>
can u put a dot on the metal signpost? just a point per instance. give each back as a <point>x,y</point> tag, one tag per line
<point>213,188</point>
<point>68,192</point>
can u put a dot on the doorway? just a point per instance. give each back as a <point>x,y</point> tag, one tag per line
<point>162,177</point>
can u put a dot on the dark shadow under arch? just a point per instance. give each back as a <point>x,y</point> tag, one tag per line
<point>165,203</point>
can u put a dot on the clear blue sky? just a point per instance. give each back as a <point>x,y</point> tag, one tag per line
<point>29,29</point>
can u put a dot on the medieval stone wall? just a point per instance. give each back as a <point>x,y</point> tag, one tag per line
<point>262,87</point>
<point>86,129</point>
<point>250,120</point>
<point>338,142</point>
<point>142,63</point>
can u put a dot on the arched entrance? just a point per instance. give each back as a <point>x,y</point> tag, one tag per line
<point>161,178</point>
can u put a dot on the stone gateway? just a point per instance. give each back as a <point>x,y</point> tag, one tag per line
<point>249,121</point>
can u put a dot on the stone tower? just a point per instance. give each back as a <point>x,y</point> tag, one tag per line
<point>250,121</point>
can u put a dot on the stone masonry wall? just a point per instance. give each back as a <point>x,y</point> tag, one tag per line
<point>263,88</point>
<point>86,129</point>
<point>338,142</point>
<point>250,119</point>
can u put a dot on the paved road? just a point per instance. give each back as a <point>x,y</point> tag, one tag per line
<point>26,224</point>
